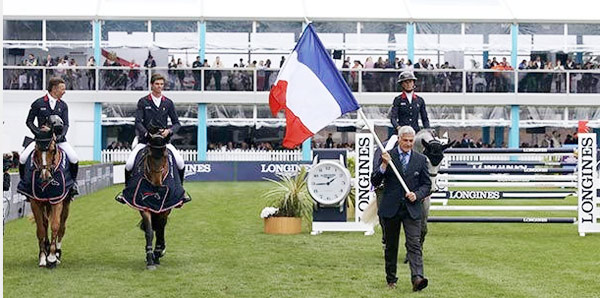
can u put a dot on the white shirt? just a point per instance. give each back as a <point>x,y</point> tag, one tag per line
<point>409,96</point>
<point>51,101</point>
<point>156,100</point>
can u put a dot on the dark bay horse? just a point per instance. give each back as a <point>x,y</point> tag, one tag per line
<point>154,189</point>
<point>47,185</point>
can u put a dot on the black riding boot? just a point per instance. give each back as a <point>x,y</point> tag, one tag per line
<point>21,170</point>
<point>119,198</point>
<point>74,169</point>
<point>186,198</point>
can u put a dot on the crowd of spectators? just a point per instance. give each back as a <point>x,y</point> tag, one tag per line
<point>116,145</point>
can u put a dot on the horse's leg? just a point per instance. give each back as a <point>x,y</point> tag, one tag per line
<point>147,228</point>
<point>63,226</point>
<point>54,226</point>
<point>160,247</point>
<point>38,214</point>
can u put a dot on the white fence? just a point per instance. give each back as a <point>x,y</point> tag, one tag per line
<point>217,155</point>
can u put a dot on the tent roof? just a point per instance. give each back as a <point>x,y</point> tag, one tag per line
<point>315,10</point>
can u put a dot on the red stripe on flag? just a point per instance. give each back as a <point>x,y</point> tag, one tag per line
<point>277,97</point>
<point>582,126</point>
<point>295,132</point>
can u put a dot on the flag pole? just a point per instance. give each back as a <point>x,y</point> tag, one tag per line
<point>391,163</point>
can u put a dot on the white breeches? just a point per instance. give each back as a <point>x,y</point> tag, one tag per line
<point>131,159</point>
<point>66,147</point>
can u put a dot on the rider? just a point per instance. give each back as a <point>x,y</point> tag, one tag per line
<point>155,108</point>
<point>42,108</point>
<point>408,106</point>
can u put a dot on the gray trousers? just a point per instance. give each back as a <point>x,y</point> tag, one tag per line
<point>424,216</point>
<point>412,233</point>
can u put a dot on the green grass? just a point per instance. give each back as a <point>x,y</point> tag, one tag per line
<point>216,248</point>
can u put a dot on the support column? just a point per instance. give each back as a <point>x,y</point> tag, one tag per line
<point>202,40</point>
<point>514,31</point>
<point>97,37</point>
<point>306,150</point>
<point>202,133</point>
<point>97,131</point>
<point>498,136</point>
<point>513,135</point>
<point>485,135</point>
<point>410,41</point>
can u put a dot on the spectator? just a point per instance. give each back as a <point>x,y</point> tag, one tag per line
<point>329,142</point>
<point>91,74</point>
<point>171,73</point>
<point>197,73</point>
<point>180,73</point>
<point>217,73</point>
<point>150,63</point>
<point>282,61</point>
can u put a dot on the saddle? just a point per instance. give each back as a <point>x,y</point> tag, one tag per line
<point>55,189</point>
<point>140,194</point>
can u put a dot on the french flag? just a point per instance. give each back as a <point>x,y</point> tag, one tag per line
<point>310,90</point>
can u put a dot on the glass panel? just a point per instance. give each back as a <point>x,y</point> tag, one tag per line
<point>264,111</point>
<point>437,28</point>
<point>265,79</point>
<point>22,79</point>
<point>174,26</point>
<point>487,28</point>
<point>22,30</point>
<point>123,26</point>
<point>585,82</point>
<point>75,78</point>
<point>351,78</point>
<point>281,27</point>
<point>542,82</point>
<point>377,81</point>
<point>583,29</point>
<point>229,111</point>
<point>483,113</point>
<point>120,110</point>
<point>444,112</point>
<point>584,113</point>
<point>541,113</point>
<point>530,28</point>
<point>498,81</point>
<point>229,26</point>
<point>181,78</point>
<point>381,27</point>
<point>437,81</point>
<point>229,80</point>
<point>69,30</point>
<point>123,78</point>
<point>335,27</point>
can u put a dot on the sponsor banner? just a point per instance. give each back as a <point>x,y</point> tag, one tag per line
<point>240,170</point>
<point>588,203</point>
<point>363,168</point>
<point>497,195</point>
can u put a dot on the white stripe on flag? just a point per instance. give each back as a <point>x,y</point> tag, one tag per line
<point>307,97</point>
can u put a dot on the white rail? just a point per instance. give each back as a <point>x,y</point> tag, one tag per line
<point>217,155</point>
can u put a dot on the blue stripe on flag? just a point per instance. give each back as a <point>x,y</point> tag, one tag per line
<point>313,54</point>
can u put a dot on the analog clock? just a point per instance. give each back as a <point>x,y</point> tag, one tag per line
<point>328,182</point>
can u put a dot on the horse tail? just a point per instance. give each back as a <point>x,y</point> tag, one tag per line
<point>370,214</point>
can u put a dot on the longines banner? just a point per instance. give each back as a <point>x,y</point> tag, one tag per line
<point>589,200</point>
<point>241,170</point>
<point>363,168</point>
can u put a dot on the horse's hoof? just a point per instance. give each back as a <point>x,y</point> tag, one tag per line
<point>150,267</point>
<point>51,265</point>
<point>58,254</point>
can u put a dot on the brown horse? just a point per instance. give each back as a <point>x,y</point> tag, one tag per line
<point>47,158</point>
<point>156,169</point>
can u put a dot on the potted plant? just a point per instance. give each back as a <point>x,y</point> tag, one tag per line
<point>289,203</point>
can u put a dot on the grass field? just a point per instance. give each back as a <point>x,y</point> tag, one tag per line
<point>216,248</point>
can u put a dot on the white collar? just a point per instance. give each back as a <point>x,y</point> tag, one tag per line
<point>52,98</point>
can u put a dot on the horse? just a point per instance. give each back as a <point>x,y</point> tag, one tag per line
<point>47,185</point>
<point>154,189</point>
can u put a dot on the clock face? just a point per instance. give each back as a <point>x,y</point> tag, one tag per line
<point>328,182</point>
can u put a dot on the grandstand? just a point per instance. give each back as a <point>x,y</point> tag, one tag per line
<point>495,105</point>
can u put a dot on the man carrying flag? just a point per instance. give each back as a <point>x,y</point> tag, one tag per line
<point>312,93</point>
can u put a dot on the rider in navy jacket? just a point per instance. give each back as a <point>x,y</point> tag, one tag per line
<point>41,109</point>
<point>408,107</point>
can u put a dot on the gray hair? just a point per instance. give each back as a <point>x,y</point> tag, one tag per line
<point>406,130</point>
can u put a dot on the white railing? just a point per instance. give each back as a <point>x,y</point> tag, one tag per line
<point>254,155</point>
<point>217,155</point>
<point>505,157</point>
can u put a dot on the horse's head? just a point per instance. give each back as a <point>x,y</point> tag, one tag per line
<point>45,152</point>
<point>434,150</point>
<point>156,159</point>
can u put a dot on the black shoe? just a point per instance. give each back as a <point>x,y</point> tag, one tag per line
<point>420,283</point>
<point>119,198</point>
